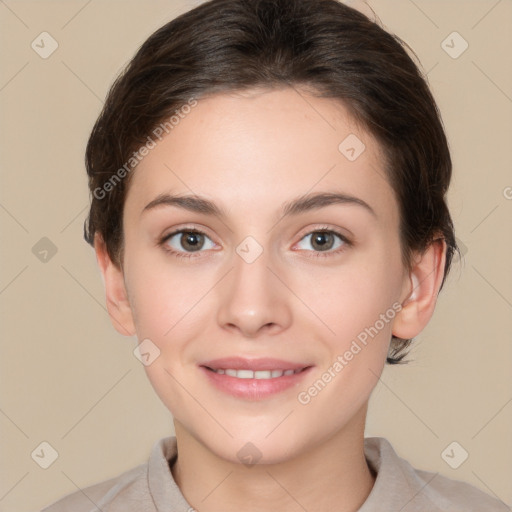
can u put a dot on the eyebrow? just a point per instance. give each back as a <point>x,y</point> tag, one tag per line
<point>303,204</point>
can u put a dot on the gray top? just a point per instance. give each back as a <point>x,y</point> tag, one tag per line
<point>398,487</point>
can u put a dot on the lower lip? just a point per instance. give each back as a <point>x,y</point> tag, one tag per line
<point>254,389</point>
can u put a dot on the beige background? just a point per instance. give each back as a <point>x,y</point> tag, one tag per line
<point>69,379</point>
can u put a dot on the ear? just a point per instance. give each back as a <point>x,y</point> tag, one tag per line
<point>118,306</point>
<point>421,290</point>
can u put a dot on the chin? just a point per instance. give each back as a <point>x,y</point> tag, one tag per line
<point>256,450</point>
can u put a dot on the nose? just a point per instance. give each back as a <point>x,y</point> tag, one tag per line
<point>253,299</point>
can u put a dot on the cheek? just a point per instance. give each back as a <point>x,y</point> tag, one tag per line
<point>171,308</point>
<point>169,312</point>
<point>357,307</point>
<point>160,293</point>
<point>350,299</point>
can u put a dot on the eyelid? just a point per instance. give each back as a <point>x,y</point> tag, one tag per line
<point>195,228</point>
<point>347,242</point>
<point>345,234</point>
<point>162,242</point>
<point>204,230</point>
<point>337,232</point>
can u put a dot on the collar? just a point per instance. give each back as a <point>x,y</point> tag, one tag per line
<point>395,484</point>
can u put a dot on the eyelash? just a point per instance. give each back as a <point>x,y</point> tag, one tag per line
<point>317,254</point>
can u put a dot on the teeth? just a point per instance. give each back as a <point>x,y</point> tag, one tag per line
<point>258,374</point>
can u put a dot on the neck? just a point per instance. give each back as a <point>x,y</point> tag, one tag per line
<point>331,475</point>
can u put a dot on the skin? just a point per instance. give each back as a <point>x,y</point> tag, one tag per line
<point>250,153</point>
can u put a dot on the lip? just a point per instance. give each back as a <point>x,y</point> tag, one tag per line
<point>241,363</point>
<point>253,389</point>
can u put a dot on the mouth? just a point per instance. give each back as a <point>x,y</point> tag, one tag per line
<point>254,379</point>
<point>255,374</point>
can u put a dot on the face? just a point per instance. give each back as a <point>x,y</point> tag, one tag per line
<point>242,273</point>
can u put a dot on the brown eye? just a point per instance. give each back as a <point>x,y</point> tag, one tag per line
<point>322,240</point>
<point>191,241</point>
<point>325,240</point>
<point>186,241</point>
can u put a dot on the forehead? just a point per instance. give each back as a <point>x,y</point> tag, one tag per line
<point>262,147</point>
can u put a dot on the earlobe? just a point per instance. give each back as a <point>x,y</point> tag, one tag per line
<point>422,287</point>
<point>118,305</point>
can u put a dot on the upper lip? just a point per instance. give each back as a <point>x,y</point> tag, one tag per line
<point>240,363</point>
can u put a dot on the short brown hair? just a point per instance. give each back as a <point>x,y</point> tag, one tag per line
<point>324,45</point>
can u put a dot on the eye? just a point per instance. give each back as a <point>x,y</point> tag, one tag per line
<point>324,241</point>
<point>184,242</point>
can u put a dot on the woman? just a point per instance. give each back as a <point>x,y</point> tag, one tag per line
<point>269,216</point>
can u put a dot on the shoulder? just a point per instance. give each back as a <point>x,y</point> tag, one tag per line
<point>140,489</point>
<point>102,495</point>
<point>454,495</point>
<point>399,484</point>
